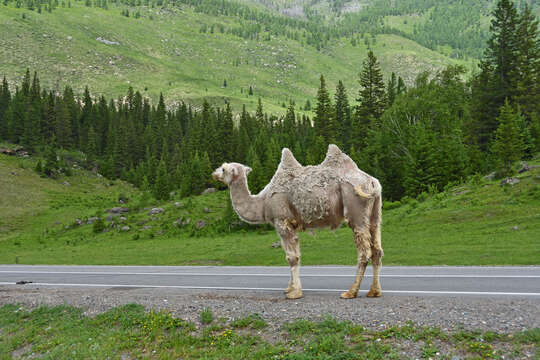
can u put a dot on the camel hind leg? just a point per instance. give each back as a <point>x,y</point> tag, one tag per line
<point>376,247</point>
<point>362,240</point>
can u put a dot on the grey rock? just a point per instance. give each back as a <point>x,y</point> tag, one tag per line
<point>70,38</point>
<point>209,191</point>
<point>122,218</point>
<point>207,210</point>
<point>107,42</point>
<point>92,220</point>
<point>510,181</point>
<point>125,228</point>
<point>524,167</point>
<point>276,244</point>
<point>156,211</point>
<point>110,217</point>
<point>179,204</point>
<point>147,227</point>
<point>200,224</point>
<point>78,222</point>
<point>66,183</point>
<point>490,176</point>
<point>117,210</point>
<point>515,228</point>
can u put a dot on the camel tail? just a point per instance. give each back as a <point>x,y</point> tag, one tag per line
<point>373,191</point>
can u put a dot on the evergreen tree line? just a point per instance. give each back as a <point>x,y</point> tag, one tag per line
<point>414,140</point>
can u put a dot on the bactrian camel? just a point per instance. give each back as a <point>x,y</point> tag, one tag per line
<point>300,197</point>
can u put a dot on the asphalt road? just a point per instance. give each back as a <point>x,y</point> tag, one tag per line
<point>484,281</point>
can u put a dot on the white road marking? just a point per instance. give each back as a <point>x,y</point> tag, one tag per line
<point>278,289</point>
<point>261,275</point>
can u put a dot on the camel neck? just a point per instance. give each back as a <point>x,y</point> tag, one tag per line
<point>249,207</point>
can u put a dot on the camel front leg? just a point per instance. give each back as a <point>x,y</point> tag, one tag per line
<point>291,245</point>
<point>362,240</point>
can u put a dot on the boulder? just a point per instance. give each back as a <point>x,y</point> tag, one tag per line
<point>156,211</point>
<point>510,181</point>
<point>110,217</point>
<point>490,176</point>
<point>118,210</point>
<point>178,204</point>
<point>125,228</point>
<point>524,168</point>
<point>78,222</point>
<point>209,191</point>
<point>276,244</point>
<point>92,220</point>
<point>200,224</point>
<point>147,227</point>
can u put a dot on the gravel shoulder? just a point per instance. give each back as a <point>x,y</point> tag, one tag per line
<point>503,315</point>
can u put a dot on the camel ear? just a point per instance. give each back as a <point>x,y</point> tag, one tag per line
<point>247,170</point>
<point>234,171</point>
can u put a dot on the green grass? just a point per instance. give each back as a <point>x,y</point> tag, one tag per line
<point>169,55</point>
<point>131,332</point>
<point>477,223</point>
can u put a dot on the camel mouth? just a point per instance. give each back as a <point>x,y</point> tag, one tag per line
<point>215,177</point>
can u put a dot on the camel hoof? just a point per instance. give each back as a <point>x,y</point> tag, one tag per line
<point>288,290</point>
<point>374,293</point>
<point>348,295</point>
<point>294,294</point>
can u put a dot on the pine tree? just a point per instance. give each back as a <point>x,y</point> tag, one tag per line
<point>256,180</point>
<point>51,160</point>
<point>161,187</point>
<point>391,89</point>
<point>528,84</point>
<point>91,148</point>
<point>289,126</point>
<point>421,165</point>
<point>323,112</point>
<point>372,95</point>
<point>498,77</point>
<point>401,88</point>
<point>342,116</point>
<point>5,100</point>
<point>508,144</point>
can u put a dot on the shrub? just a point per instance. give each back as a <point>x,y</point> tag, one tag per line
<point>99,226</point>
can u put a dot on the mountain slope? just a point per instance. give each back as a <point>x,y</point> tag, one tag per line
<point>173,50</point>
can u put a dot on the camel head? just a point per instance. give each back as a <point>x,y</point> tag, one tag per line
<point>228,172</point>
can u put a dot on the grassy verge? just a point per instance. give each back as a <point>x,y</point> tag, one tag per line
<point>477,223</point>
<point>131,332</point>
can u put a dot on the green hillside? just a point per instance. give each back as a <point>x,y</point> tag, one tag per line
<point>183,53</point>
<point>476,223</point>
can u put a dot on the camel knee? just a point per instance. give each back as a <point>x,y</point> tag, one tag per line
<point>377,254</point>
<point>293,260</point>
